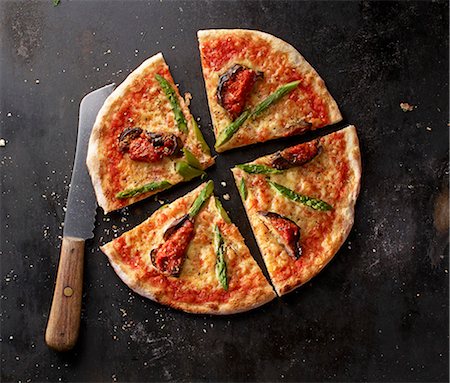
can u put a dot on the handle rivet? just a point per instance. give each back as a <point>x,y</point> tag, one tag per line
<point>68,291</point>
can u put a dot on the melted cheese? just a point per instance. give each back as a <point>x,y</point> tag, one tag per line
<point>333,176</point>
<point>197,285</point>
<point>142,104</point>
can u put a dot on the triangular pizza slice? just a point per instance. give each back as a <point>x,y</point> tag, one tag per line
<point>300,204</point>
<point>260,88</point>
<point>188,255</point>
<point>144,139</point>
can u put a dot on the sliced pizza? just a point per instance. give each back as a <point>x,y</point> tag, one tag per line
<point>260,88</point>
<point>144,139</point>
<point>189,255</point>
<point>300,203</point>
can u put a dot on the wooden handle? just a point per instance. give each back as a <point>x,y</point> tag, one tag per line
<point>64,319</point>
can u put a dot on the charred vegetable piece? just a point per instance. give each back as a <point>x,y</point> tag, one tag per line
<point>147,146</point>
<point>296,156</point>
<point>170,255</point>
<point>127,136</point>
<point>314,203</point>
<point>173,99</point>
<point>257,169</point>
<point>221,266</point>
<point>234,88</point>
<point>286,231</point>
<point>152,186</point>
<point>169,144</point>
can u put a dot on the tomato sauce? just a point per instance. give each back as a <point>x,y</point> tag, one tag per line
<point>217,54</point>
<point>129,110</point>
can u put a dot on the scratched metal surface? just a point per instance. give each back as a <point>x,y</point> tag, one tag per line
<point>378,312</point>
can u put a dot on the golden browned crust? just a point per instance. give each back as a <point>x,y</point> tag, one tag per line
<point>314,179</point>
<point>247,286</point>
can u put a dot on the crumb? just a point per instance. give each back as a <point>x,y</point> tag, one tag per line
<point>407,107</point>
<point>9,114</point>
<point>2,142</point>
<point>37,81</point>
<point>428,128</point>
<point>226,197</point>
<point>223,183</point>
<point>187,98</point>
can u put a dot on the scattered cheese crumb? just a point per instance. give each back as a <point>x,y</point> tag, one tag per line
<point>187,98</point>
<point>2,142</point>
<point>428,128</point>
<point>37,81</point>
<point>407,107</point>
<point>223,183</point>
<point>9,114</point>
<point>226,197</point>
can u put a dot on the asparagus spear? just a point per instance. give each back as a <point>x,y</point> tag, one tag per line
<point>231,129</point>
<point>258,169</point>
<point>243,189</point>
<point>143,189</point>
<point>200,138</point>
<point>201,199</point>
<point>191,159</point>
<point>221,266</point>
<point>173,99</point>
<point>274,97</point>
<point>222,211</point>
<point>187,171</point>
<point>315,203</point>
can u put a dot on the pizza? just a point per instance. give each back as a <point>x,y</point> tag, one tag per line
<point>300,200</point>
<point>144,139</point>
<point>260,88</point>
<point>300,203</point>
<point>188,255</point>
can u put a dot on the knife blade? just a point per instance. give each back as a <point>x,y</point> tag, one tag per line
<point>64,318</point>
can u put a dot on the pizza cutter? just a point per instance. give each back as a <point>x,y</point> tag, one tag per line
<point>64,319</point>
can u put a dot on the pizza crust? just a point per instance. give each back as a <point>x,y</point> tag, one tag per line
<point>249,289</point>
<point>295,60</point>
<point>287,274</point>
<point>92,160</point>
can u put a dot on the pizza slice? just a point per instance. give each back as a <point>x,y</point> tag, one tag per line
<point>300,203</point>
<point>144,139</point>
<point>260,88</point>
<point>189,255</point>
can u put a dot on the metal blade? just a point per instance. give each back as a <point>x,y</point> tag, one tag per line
<point>81,202</point>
